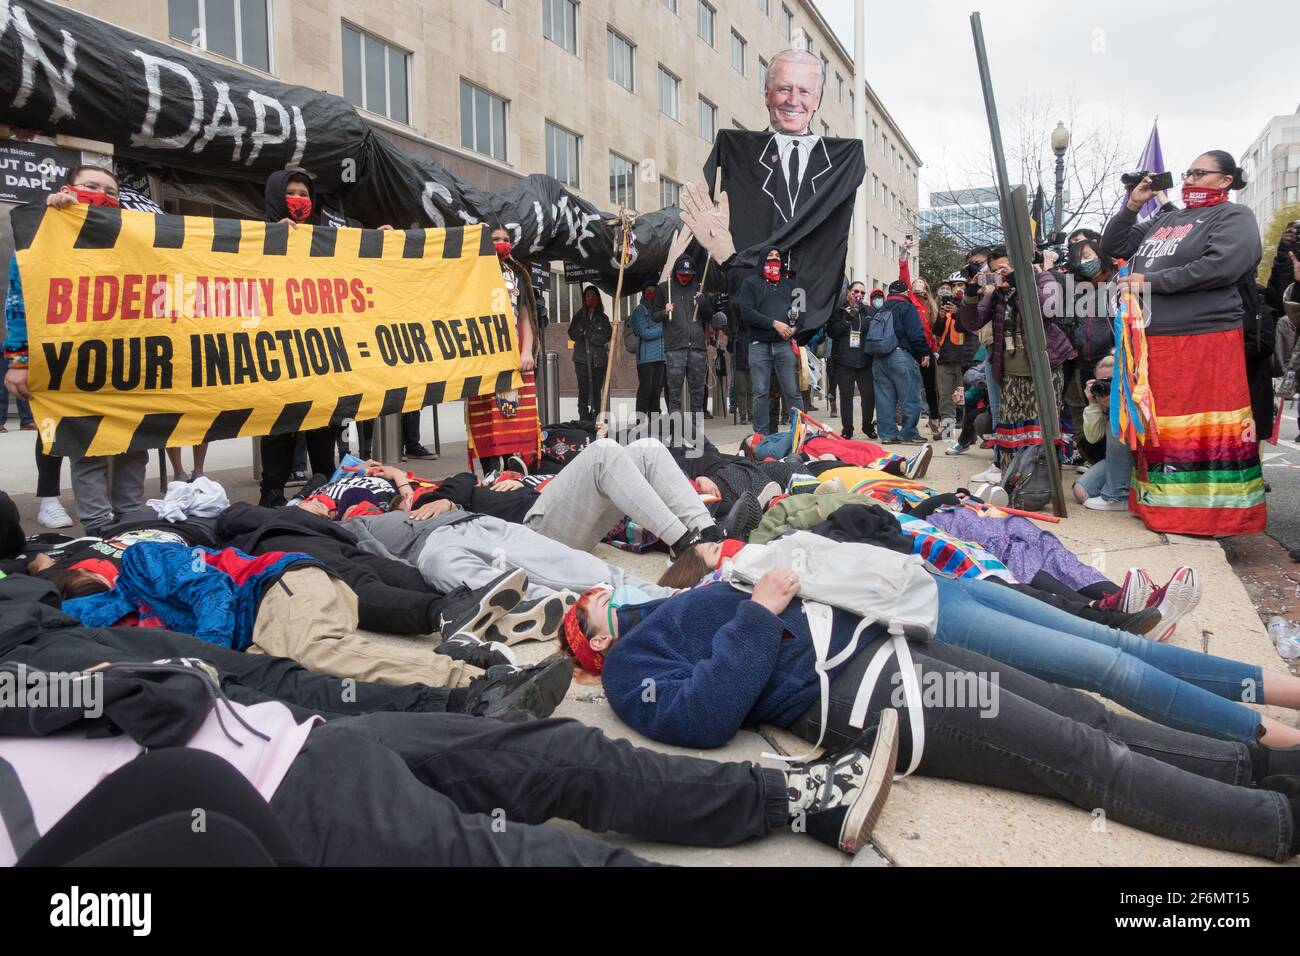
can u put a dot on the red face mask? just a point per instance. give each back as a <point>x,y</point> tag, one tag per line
<point>771,271</point>
<point>591,301</point>
<point>1196,196</point>
<point>684,278</point>
<point>503,249</point>
<point>299,207</point>
<point>730,548</point>
<point>92,197</point>
<point>649,295</point>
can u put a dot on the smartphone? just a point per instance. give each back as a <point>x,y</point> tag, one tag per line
<point>1162,181</point>
<point>908,237</point>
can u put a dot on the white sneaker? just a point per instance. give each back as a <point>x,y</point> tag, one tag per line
<point>992,475</point>
<point>52,514</point>
<point>991,494</point>
<point>1105,504</point>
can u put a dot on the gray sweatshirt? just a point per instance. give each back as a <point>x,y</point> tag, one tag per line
<point>1192,259</point>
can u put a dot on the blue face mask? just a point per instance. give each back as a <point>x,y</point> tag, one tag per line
<point>1088,268</point>
<point>623,596</point>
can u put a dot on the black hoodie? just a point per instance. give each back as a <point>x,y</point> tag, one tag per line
<point>277,209</point>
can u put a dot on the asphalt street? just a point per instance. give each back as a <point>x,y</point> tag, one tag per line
<point>1282,472</point>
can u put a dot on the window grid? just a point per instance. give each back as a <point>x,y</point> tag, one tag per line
<point>621,59</point>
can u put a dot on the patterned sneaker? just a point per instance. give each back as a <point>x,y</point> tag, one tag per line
<point>535,620</point>
<point>1135,591</point>
<point>919,464</point>
<point>839,797</point>
<point>1175,599</point>
<point>476,653</point>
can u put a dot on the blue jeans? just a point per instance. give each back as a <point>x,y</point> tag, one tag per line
<point>24,409</point>
<point>764,357</point>
<point>898,380</point>
<point>1109,478</point>
<point>1173,686</point>
<point>995,402</point>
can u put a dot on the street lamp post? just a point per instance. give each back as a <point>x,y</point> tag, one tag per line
<point>1060,143</point>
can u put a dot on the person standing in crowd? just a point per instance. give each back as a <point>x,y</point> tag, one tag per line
<point>102,485</point>
<point>898,348</point>
<point>1091,331</point>
<point>25,421</point>
<point>767,310</point>
<point>1284,293</point>
<point>1204,476</point>
<point>684,311</point>
<point>291,200</point>
<point>918,291</point>
<point>650,368</point>
<point>991,300</point>
<point>952,354</point>
<point>738,345</point>
<point>504,431</point>
<point>847,331</point>
<point>591,332</point>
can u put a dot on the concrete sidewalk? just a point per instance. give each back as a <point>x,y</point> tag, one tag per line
<point>926,821</point>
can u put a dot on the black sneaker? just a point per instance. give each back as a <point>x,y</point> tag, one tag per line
<point>1142,622</point>
<point>467,648</point>
<point>536,620</point>
<point>472,611</point>
<point>691,537</point>
<point>854,787</point>
<point>745,515</point>
<point>419,451</point>
<point>535,690</point>
<point>297,478</point>
<point>919,464</point>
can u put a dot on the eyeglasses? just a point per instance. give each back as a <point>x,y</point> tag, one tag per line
<point>1198,173</point>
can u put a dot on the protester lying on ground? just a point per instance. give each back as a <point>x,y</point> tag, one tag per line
<point>421,788</point>
<point>840,450</point>
<point>845,517</point>
<point>289,605</point>
<point>391,597</point>
<point>12,539</point>
<point>1173,685</point>
<point>458,548</point>
<point>718,660</point>
<point>33,631</point>
<point>579,505</point>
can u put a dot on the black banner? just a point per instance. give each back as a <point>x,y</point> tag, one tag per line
<point>215,133</point>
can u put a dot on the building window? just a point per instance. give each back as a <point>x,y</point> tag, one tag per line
<point>620,60</point>
<point>707,17</point>
<point>671,5</point>
<point>482,121</point>
<point>622,181</point>
<point>669,94</point>
<point>560,23</point>
<point>875,133</point>
<point>562,154</point>
<point>237,29</point>
<point>670,193</point>
<point>875,238</point>
<point>839,87</point>
<point>762,73</point>
<point>875,186</point>
<point>853,106</point>
<point>787,22</point>
<point>826,130</point>
<point>738,52</point>
<point>708,119</point>
<point>375,75</point>
<point>498,3</point>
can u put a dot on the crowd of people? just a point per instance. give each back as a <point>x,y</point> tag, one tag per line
<point>338,672</point>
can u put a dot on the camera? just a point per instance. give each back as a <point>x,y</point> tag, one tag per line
<point>1159,181</point>
<point>1100,388</point>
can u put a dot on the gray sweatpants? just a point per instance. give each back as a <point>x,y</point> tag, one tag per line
<point>474,552</point>
<point>607,481</point>
<point>108,485</point>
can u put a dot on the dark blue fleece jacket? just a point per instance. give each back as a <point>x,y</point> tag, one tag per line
<point>703,664</point>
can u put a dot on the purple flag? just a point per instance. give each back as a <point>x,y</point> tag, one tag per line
<point>1151,159</point>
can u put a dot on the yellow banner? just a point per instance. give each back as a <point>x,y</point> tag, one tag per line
<point>148,331</point>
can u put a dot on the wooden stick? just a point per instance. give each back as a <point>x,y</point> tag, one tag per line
<point>1025,514</point>
<point>618,294</point>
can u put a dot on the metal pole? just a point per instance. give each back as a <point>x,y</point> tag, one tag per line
<point>860,132</point>
<point>1015,225</point>
<point>1060,189</point>
<point>551,388</point>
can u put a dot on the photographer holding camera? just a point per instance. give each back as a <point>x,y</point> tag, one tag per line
<point>1104,486</point>
<point>1192,266</point>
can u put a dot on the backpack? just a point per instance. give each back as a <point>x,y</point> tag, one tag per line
<point>879,337</point>
<point>1026,480</point>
